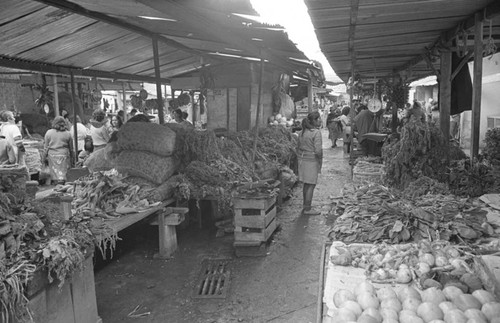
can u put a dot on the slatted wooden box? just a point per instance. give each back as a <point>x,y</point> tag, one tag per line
<point>254,219</point>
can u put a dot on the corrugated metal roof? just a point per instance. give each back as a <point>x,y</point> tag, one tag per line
<point>383,37</point>
<point>113,39</point>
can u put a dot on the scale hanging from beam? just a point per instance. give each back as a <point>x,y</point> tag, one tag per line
<point>374,104</point>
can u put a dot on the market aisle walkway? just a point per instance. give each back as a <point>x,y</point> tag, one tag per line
<point>281,287</point>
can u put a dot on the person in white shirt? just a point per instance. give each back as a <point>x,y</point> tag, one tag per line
<point>11,132</point>
<point>81,133</point>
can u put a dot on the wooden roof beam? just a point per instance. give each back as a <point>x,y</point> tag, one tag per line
<point>67,70</point>
<point>352,33</point>
<point>488,12</point>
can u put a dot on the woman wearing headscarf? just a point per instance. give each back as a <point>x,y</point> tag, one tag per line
<point>99,129</point>
<point>310,158</point>
<point>58,150</point>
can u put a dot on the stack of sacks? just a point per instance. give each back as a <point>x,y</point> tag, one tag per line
<point>145,150</point>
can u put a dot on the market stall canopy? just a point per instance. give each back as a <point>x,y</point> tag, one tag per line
<point>380,38</point>
<point>113,39</point>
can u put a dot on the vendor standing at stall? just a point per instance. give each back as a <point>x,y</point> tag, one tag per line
<point>57,150</point>
<point>310,158</point>
<point>99,129</point>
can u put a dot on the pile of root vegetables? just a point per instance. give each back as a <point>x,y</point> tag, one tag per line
<point>426,264</point>
<point>405,304</point>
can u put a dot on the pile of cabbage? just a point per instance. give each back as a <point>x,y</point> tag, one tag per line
<point>279,120</point>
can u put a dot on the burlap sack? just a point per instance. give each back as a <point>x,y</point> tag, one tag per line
<point>98,161</point>
<point>145,136</point>
<point>154,168</point>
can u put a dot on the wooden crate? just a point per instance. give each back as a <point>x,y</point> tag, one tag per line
<point>74,302</point>
<point>255,219</point>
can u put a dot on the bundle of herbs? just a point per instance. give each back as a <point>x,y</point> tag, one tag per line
<point>473,178</point>
<point>200,146</point>
<point>418,152</point>
<point>492,148</point>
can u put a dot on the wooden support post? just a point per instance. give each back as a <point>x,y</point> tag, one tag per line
<point>309,94</point>
<point>56,97</point>
<point>73,98</point>
<point>257,117</point>
<point>477,85</point>
<point>445,96</point>
<point>281,194</point>
<point>124,103</point>
<point>168,219</point>
<point>159,97</point>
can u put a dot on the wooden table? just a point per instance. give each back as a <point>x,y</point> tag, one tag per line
<point>167,219</point>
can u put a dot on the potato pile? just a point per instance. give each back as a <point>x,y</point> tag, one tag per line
<point>366,304</point>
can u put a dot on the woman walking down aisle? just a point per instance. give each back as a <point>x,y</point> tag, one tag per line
<point>310,155</point>
<point>334,127</point>
<point>57,150</point>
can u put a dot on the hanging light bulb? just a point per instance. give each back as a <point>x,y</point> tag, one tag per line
<point>46,108</point>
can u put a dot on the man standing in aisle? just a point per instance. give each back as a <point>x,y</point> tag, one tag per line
<point>362,125</point>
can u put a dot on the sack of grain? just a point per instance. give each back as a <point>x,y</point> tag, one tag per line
<point>145,136</point>
<point>98,161</point>
<point>154,168</point>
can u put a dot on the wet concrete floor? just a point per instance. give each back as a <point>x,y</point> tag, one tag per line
<point>282,286</point>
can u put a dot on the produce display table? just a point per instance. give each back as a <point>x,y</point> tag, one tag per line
<point>167,219</point>
<point>336,277</point>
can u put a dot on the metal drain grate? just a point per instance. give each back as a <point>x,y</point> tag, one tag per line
<point>214,279</point>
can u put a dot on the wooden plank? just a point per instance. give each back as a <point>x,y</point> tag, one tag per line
<point>270,229</point>
<point>60,304</point>
<point>445,95</point>
<point>352,25</point>
<point>254,221</point>
<point>38,307</point>
<point>262,235</point>
<point>84,296</point>
<point>126,221</point>
<point>477,85</point>
<point>263,204</point>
